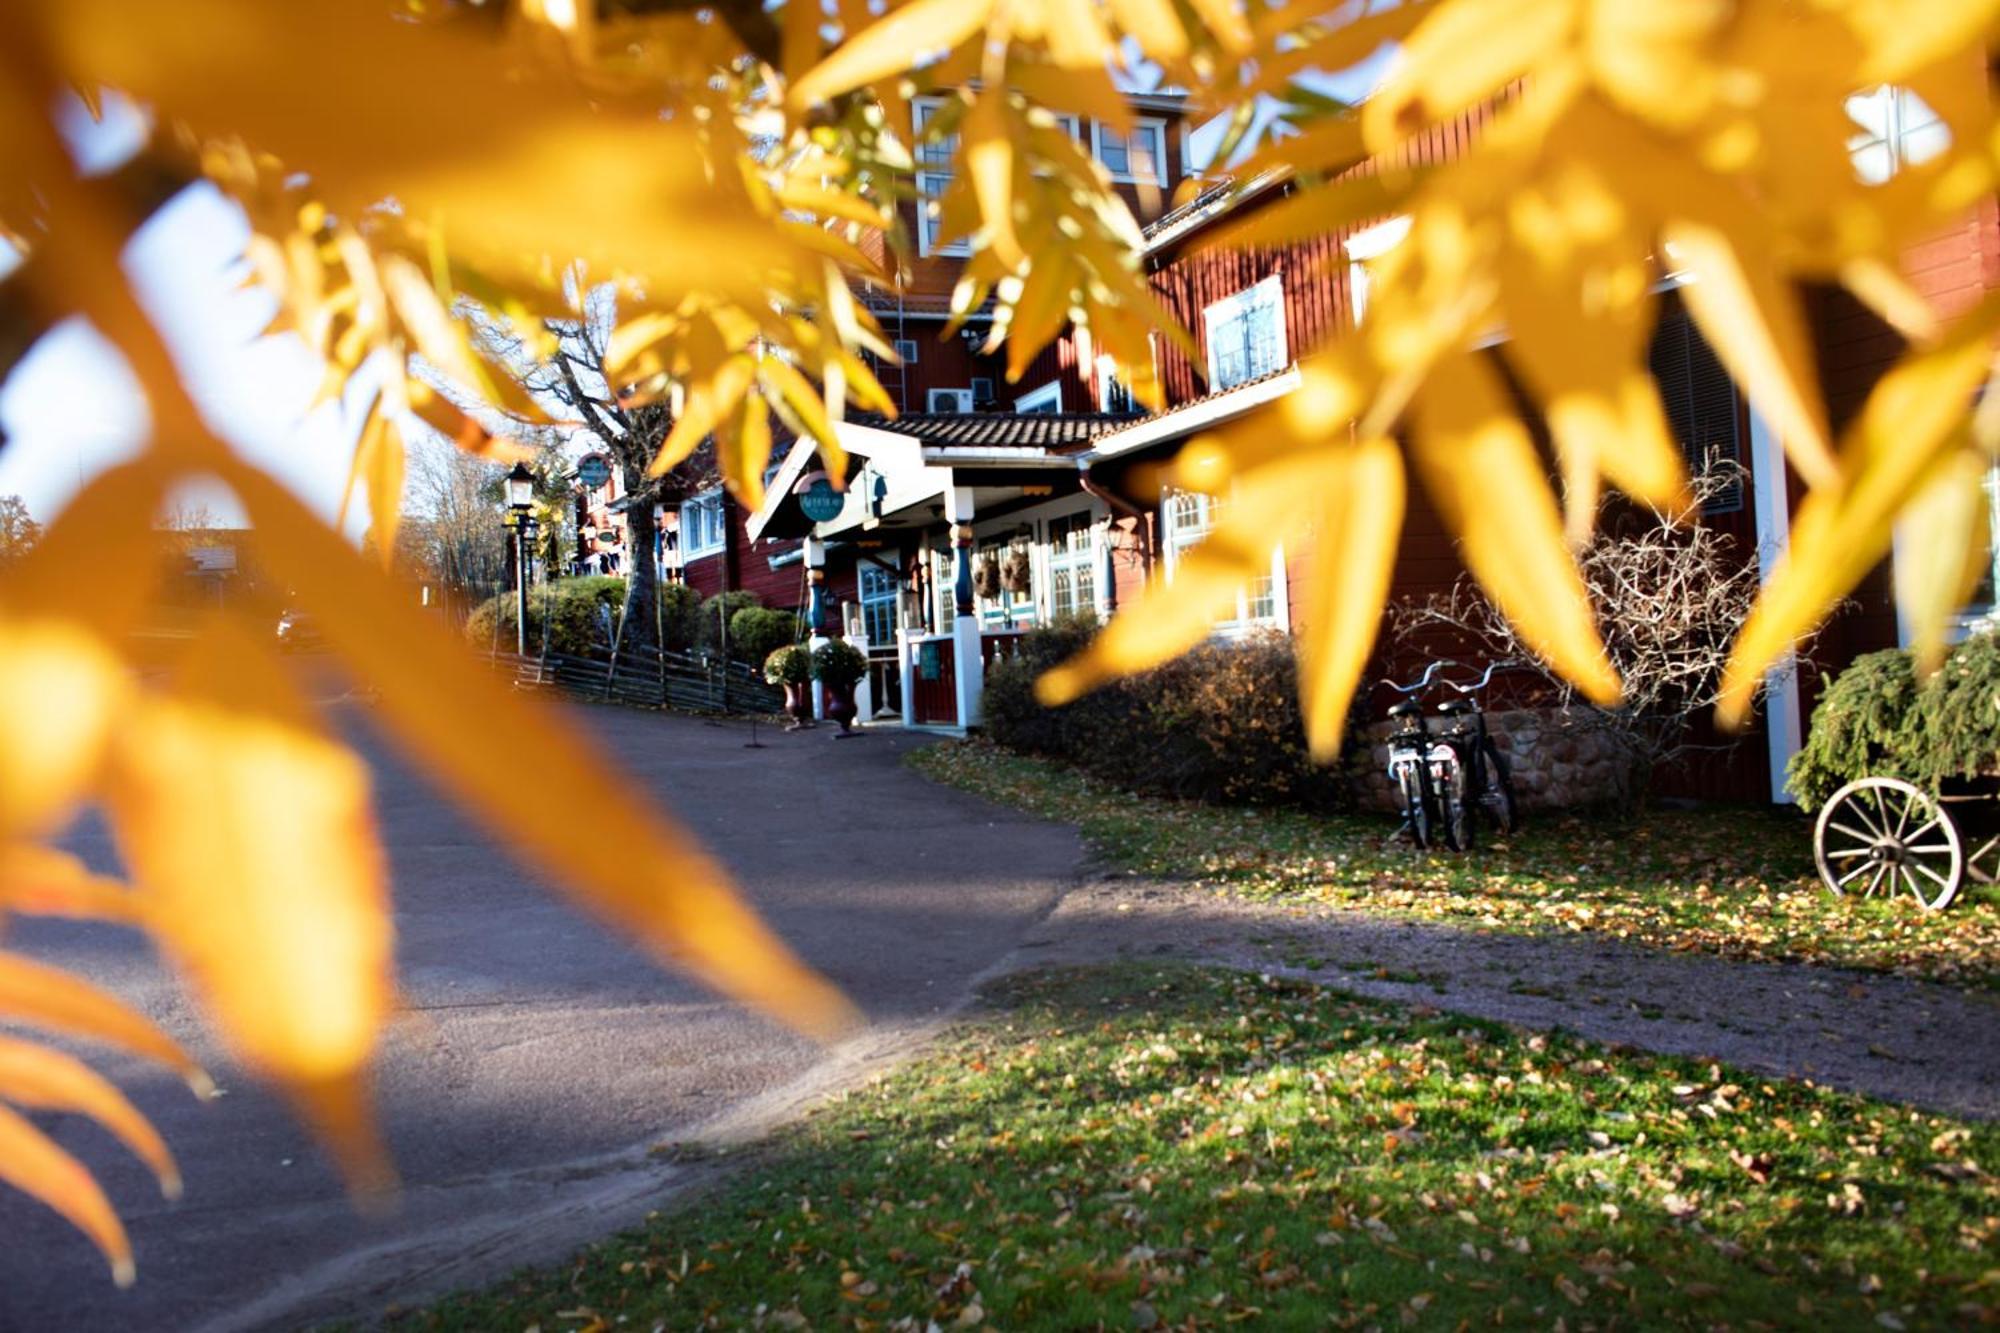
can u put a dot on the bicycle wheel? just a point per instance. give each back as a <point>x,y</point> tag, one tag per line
<point>1498,798</point>
<point>1416,793</point>
<point>1884,833</point>
<point>1454,803</point>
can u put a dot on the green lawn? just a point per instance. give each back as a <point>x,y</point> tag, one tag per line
<point>1138,1147</point>
<point>1728,881</point>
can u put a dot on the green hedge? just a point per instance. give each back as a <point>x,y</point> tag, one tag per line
<point>755,632</point>
<point>575,625</point>
<point>1877,717</point>
<point>1221,723</point>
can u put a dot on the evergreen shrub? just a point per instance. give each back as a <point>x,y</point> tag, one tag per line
<point>1221,723</point>
<point>1878,718</point>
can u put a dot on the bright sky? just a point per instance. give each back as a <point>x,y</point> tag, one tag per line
<point>72,409</point>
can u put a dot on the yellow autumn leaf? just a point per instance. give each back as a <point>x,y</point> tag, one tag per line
<point>61,692</point>
<point>1458,56</point>
<point>251,834</point>
<point>890,45</point>
<point>1353,565</point>
<point>709,400</point>
<point>988,152</point>
<point>1909,421</point>
<point>41,881</point>
<point>1480,466</point>
<point>1752,318</point>
<point>806,408</point>
<point>41,1079</point>
<point>35,1166</point>
<point>1173,614</point>
<point>1942,536</point>
<point>44,997</point>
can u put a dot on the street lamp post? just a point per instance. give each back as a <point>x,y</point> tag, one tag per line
<point>520,504</point>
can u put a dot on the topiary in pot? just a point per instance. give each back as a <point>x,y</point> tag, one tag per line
<point>840,668</point>
<point>792,667</point>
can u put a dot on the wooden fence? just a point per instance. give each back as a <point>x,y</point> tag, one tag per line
<point>651,680</point>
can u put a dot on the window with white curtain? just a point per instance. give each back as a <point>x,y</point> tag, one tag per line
<point>1073,560</point>
<point>1189,518</point>
<point>1246,334</point>
<point>702,527</point>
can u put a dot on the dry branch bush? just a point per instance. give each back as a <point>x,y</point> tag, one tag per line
<point>1669,595</point>
<point>732,169</point>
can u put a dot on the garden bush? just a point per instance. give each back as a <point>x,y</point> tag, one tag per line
<point>575,623</point>
<point>756,632</point>
<point>1877,717</point>
<point>1221,723</point>
<point>714,616</point>
<point>680,617</point>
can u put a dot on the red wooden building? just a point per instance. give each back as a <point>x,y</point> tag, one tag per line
<point>1052,475</point>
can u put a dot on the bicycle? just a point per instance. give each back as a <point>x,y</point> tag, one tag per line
<point>1410,767</point>
<point>1467,768</point>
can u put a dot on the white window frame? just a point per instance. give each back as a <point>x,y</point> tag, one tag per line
<point>1057,559</point>
<point>961,400</point>
<point>1363,248</point>
<point>1153,128</point>
<point>866,600</point>
<point>1047,398</point>
<point>932,182</point>
<point>698,516</point>
<point>1912,133</point>
<point>1258,296</point>
<point>1106,378</point>
<point>1175,544</point>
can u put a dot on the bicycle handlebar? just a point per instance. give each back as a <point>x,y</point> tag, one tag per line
<point>1422,684</point>
<point>1481,683</point>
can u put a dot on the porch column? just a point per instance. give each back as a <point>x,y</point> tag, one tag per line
<point>815,560</point>
<point>968,668</point>
<point>1784,726</point>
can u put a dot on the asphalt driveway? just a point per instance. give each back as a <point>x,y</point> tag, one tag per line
<point>539,1059</point>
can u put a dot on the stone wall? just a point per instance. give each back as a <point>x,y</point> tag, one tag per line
<point>1557,761</point>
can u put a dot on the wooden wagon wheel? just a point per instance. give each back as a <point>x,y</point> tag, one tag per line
<point>1887,835</point>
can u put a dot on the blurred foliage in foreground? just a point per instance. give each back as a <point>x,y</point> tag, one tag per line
<point>734,170</point>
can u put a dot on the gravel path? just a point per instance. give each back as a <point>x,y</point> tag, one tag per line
<point>1887,1037</point>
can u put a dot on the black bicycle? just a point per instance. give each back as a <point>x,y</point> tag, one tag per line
<point>1410,765</point>
<point>1467,770</point>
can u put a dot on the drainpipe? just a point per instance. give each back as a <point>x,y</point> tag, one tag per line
<point>1120,504</point>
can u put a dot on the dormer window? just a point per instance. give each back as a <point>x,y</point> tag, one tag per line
<point>1139,157</point>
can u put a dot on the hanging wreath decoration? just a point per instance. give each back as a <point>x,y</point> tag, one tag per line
<point>1017,572</point>
<point>986,577</point>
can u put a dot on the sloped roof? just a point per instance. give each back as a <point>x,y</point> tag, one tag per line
<point>1059,431</point>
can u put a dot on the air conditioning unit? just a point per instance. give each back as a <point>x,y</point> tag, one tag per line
<point>948,401</point>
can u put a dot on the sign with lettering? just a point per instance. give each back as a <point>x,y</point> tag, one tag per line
<point>818,500</point>
<point>593,470</point>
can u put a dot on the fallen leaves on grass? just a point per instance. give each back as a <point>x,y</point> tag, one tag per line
<point>1194,1148</point>
<point>1733,882</point>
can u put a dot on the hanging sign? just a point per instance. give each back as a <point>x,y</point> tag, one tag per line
<point>818,500</point>
<point>593,470</point>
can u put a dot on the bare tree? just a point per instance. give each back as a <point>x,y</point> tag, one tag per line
<point>452,535</point>
<point>565,375</point>
<point>1669,594</point>
<point>18,530</point>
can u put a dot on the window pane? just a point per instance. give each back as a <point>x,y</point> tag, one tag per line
<point>1112,152</point>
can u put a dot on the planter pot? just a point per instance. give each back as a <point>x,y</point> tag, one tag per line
<point>840,706</point>
<point>798,705</point>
